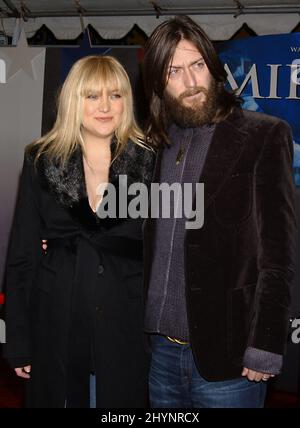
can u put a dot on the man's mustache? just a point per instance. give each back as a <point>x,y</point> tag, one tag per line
<point>192,91</point>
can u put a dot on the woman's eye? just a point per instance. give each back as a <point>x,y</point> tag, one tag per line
<point>116,96</point>
<point>92,97</point>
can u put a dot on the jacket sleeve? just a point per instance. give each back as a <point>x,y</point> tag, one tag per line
<point>276,223</point>
<point>23,254</point>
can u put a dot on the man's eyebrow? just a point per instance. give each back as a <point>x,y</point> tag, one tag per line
<point>192,63</point>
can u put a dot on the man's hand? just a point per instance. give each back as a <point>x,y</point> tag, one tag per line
<point>44,244</point>
<point>23,372</point>
<point>256,376</point>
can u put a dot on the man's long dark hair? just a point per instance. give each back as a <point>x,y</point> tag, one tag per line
<point>159,51</point>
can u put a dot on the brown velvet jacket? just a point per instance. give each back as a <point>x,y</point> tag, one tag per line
<point>239,266</point>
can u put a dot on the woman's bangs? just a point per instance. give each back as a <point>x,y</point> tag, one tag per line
<point>104,78</point>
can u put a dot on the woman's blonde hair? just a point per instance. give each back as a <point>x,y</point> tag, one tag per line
<point>87,76</point>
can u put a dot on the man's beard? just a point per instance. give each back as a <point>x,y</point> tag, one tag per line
<point>200,112</point>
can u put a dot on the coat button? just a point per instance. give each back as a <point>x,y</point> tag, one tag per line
<point>100,269</point>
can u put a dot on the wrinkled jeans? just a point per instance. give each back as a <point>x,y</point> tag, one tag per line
<point>176,382</point>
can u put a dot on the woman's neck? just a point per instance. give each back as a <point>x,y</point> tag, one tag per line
<point>96,149</point>
<point>96,162</point>
<point>95,144</point>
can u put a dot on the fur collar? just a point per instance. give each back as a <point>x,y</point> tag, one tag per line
<point>68,184</point>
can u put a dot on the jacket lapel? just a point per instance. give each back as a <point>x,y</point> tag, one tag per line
<point>225,150</point>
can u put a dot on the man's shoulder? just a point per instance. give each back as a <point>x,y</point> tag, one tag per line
<point>249,120</point>
<point>256,118</point>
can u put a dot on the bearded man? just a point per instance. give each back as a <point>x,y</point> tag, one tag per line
<point>218,297</point>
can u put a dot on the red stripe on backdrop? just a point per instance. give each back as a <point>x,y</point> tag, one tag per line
<point>1,298</point>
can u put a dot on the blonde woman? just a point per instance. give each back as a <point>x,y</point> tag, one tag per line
<point>74,313</point>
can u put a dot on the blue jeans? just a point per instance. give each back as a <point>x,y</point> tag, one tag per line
<point>176,382</point>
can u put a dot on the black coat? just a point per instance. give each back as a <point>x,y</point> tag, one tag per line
<point>239,266</point>
<point>78,308</point>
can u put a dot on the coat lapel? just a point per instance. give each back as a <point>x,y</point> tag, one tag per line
<point>225,150</point>
<point>68,184</point>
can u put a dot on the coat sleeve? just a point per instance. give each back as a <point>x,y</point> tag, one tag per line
<point>276,223</point>
<point>23,254</point>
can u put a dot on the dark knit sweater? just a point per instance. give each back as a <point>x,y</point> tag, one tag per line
<point>166,307</point>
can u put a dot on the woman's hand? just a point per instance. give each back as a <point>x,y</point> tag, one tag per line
<point>23,372</point>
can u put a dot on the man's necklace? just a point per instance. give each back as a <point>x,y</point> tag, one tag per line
<point>180,154</point>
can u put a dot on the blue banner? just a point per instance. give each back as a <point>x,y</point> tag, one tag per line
<point>265,71</point>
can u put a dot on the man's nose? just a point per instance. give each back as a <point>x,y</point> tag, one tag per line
<point>189,78</point>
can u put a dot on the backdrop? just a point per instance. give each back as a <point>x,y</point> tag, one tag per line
<point>264,69</point>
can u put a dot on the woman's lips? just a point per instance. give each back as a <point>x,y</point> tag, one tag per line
<point>104,119</point>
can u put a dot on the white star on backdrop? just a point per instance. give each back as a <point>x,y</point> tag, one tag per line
<point>20,57</point>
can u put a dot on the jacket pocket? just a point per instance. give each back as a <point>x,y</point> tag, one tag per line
<point>234,202</point>
<point>240,314</point>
